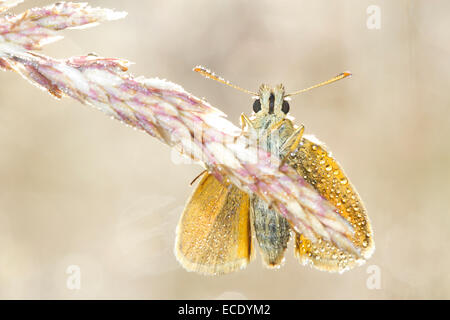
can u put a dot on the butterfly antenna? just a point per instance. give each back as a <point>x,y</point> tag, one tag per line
<point>338,77</point>
<point>211,75</point>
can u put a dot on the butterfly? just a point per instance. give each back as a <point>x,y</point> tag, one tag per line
<point>221,225</point>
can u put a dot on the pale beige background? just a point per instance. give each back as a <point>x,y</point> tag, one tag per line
<point>77,188</point>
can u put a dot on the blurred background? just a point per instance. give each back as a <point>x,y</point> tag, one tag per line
<point>78,190</point>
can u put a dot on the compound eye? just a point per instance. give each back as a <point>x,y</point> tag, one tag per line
<point>257,106</point>
<point>285,107</point>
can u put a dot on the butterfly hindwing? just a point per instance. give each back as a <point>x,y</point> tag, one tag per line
<point>214,234</point>
<point>323,172</point>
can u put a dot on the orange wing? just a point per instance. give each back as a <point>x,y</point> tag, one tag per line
<point>214,234</point>
<point>324,173</point>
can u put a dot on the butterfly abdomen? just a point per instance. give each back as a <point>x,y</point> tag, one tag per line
<point>272,232</point>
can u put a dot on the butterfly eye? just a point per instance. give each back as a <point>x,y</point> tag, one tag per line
<point>257,106</point>
<point>285,107</point>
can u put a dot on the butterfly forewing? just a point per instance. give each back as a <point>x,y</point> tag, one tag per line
<point>214,234</point>
<point>324,173</point>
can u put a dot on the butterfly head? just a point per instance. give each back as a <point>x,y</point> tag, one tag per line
<point>271,102</point>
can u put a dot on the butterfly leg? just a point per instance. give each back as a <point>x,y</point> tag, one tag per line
<point>276,126</point>
<point>245,122</point>
<point>294,140</point>
<point>291,144</point>
<point>195,179</point>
